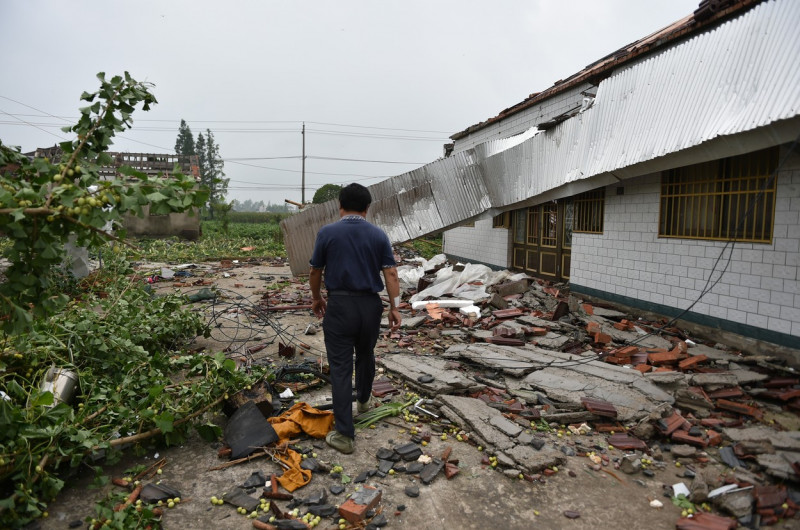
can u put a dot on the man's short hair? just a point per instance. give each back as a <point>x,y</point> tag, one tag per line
<point>354,198</point>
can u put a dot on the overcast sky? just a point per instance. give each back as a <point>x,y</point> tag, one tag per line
<point>377,81</point>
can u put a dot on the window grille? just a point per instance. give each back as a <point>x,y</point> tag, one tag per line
<point>731,198</point>
<point>588,211</point>
<point>502,221</point>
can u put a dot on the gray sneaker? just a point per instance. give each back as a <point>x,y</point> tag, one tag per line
<point>340,442</point>
<point>366,407</point>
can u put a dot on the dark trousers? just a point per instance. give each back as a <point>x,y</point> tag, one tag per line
<point>351,323</point>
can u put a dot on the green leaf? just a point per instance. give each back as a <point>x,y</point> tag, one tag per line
<point>43,399</point>
<point>209,432</point>
<point>156,196</point>
<point>165,422</point>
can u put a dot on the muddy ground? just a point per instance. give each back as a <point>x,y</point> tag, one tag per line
<point>477,497</point>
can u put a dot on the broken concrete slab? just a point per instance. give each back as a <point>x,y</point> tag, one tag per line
<point>533,461</point>
<point>779,465</point>
<point>508,359</point>
<point>509,428</point>
<point>745,376</point>
<point>413,322</point>
<point>552,341</point>
<point>607,313</point>
<point>780,440</point>
<point>411,367</point>
<point>715,354</point>
<point>530,320</point>
<point>714,380</point>
<point>569,386</point>
<point>478,416</point>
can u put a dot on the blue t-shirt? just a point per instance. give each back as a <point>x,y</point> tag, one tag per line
<point>353,253</point>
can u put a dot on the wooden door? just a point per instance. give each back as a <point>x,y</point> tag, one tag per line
<point>542,240</point>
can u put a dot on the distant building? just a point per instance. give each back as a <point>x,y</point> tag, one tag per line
<point>182,225</point>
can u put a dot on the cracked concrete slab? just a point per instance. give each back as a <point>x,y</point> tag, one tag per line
<point>568,386</point>
<point>714,380</point>
<point>745,376</point>
<point>566,378</point>
<point>512,361</point>
<point>412,367</point>
<point>552,341</point>
<point>489,427</point>
<point>478,415</point>
<point>779,439</point>
<point>780,464</point>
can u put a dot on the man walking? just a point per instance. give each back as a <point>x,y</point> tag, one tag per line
<point>353,253</point>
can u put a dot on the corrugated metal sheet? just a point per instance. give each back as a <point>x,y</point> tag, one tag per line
<point>739,76</point>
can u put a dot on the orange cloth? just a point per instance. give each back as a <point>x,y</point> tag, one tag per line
<point>295,477</point>
<point>301,418</point>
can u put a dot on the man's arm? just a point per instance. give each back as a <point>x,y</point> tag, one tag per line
<point>318,304</point>
<point>393,290</point>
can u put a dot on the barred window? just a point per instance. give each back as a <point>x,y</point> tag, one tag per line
<point>502,221</point>
<point>588,212</point>
<point>731,198</point>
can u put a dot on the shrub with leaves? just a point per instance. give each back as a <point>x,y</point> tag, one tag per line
<point>120,341</point>
<point>44,203</point>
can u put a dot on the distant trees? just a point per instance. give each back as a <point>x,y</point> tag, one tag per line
<point>326,193</point>
<point>250,206</point>
<point>184,144</point>
<point>209,162</point>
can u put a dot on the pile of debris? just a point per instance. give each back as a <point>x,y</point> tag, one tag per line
<point>515,361</point>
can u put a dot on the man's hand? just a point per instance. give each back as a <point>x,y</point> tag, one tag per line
<point>318,306</point>
<point>394,318</point>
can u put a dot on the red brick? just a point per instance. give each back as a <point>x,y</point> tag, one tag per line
<point>714,438</point>
<point>613,359</point>
<point>663,369</point>
<point>644,368</point>
<point>691,362</point>
<point>602,338</point>
<point>355,512</point>
<point>685,437</point>
<point>706,521</point>
<point>739,408</point>
<point>670,357</point>
<point>712,422</point>
<point>507,313</point>
<point>726,393</point>
<point>592,328</point>
<point>589,309</point>
<point>668,425</point>
<point>627,351</point>
<point>599,407</point>
<point>626,442</point>
<point>781,382</point>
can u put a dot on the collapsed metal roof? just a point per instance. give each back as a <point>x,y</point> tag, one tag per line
<point>742,75</point>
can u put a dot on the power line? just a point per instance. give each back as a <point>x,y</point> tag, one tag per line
<point>30,124</point>
<point>360,160</point>
<point>298,122</point>
<point>323,132</point>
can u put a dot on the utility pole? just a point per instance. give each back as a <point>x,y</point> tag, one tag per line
<point>303,188</point>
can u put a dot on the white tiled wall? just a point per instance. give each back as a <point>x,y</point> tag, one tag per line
<point>760,287</point>
<point>482,244</point>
